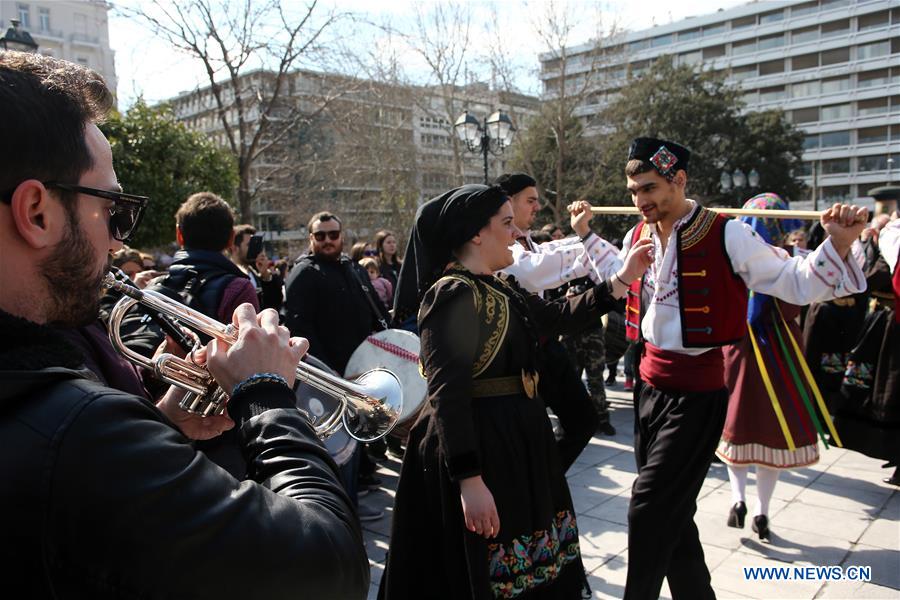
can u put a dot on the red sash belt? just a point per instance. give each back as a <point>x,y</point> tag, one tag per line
<point>677,372</point>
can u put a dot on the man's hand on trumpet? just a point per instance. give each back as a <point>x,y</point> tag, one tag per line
<point>263,346</point>
<point>581,216</point>
<point>193,426</point>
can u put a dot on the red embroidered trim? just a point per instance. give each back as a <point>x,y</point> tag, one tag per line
<point>393,349</point>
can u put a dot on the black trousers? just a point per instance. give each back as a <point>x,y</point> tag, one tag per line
<point>563,393</point>
<point>676,434</point>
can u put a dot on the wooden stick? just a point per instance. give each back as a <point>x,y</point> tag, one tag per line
<point>734,212</point>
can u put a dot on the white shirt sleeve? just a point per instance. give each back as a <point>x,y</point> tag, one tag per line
<point>554,263</point>
<point>889,243</point>
<point>820,275</point>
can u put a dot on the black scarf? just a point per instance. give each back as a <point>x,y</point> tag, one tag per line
<point>442,225</point>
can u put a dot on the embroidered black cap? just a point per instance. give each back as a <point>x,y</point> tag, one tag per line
<point>667,157</point>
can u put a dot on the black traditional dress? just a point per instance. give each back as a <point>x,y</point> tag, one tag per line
<point>482,417</point>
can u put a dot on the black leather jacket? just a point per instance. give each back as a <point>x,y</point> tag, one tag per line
<point>103,497</point>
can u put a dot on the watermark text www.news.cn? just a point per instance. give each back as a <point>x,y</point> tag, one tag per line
<point>809,573</point>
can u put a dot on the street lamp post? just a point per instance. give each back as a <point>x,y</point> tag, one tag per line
<point>493,137</point>
<point>17,39</point>
<point>738,179</point>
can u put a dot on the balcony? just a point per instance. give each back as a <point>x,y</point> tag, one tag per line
<point>84,39</point>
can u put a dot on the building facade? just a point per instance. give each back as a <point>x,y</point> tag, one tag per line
<point>832,65</point>
<point>75,30</point>
<point>368,151</point>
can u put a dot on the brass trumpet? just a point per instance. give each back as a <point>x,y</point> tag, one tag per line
<point>369,406</point>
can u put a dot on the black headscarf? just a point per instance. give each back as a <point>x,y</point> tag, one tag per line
<point>442,225</point>
<point>513,183</point>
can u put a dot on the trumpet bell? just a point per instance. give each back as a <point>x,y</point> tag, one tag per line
<point>381,406</point>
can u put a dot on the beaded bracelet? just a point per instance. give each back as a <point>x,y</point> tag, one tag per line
<point>257,379</point>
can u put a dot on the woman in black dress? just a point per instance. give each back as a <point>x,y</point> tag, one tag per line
<point>482,508</point>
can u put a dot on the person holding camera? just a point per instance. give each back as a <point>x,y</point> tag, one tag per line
<point>248,254</point>
<point>105,497</point>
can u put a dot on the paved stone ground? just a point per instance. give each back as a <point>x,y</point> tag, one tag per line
<point>838,512</point>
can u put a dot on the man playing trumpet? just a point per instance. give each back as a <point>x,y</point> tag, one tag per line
<point>110,500</point>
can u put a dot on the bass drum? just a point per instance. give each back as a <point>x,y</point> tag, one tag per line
<point>320,405</point>
<point>397,351</point>
<point>614,338</point>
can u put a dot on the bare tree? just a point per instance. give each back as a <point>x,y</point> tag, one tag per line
<point>572,77</point>
<point>248,50</point>
<point>441,38</point>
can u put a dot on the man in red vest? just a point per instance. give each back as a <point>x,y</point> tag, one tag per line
<point>690,302</point>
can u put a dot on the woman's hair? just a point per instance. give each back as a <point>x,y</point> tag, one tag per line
<point>379,246</point>
<point>357,251</point>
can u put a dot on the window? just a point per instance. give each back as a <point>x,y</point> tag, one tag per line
<point>836,165</point>
<point>771,17</point>
<point>662,40</point>
<point>691,58</point>
<point>872,135</point>
<point>835,138</point>
<point>835,84</point>
<point>804,9</point>
<point>805,170</point>
<point>83,61</point>
<point>771,41</point>
<point>743,22</point>
<point>772,94</point>
<point>834,28</point>
<point>833,57</point>
<point>690,34</point>
<point>895,103</point>
<point>832,4</point>
<point>836,193</point>
<point>807,34</point>
<point>806,61</point>
<point>24,16</point>
<point>742,73</point>
<point>873,50</point>
<point>743,47</point>
<point>638,45</point>
<point>771,67</point>
<point>872,163</point>
<point>873,78</point>
<point>872,107</point>
<point>835,111</point>
<point>80,24</point>
<point>44,16</point>
<point>811,141</point>
<point>808,88</point>
<point>873,21</point>
<point>714,29</point>
<point>713,52</point>
<point>750,97</point>
<point>805,115</point>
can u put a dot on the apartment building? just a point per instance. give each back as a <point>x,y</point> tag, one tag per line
<point>832,65</point>
<point>369,151</point>
<point>76,30</point>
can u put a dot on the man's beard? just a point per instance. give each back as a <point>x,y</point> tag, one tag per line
<point>71,278</point>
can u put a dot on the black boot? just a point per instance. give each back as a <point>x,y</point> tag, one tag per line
<point>736,515</point>
<point>761,526</point>
<point>893,479</point>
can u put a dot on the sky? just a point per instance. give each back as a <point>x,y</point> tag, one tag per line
<point>149,67</point>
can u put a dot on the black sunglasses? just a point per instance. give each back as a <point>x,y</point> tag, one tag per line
<point>124,216</point>
<point>332,235</point>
